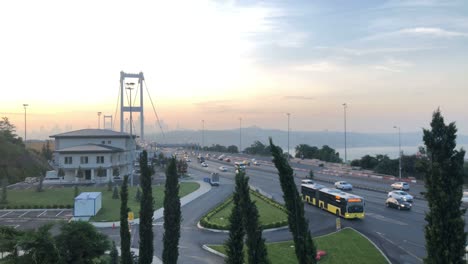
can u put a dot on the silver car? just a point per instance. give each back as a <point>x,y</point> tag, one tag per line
<point>401,195</point>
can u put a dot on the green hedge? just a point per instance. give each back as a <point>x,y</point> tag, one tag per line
<point>205,220</point>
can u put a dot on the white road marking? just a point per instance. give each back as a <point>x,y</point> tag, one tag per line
<point>158,223</point>
<point>24,214</point>
<point>385,219</point>
<point>391,242</point>
<point>59,213</point>
<point>42,213</point>
<point>6,214</point>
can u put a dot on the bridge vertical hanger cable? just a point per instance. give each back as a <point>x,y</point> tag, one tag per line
<point>116,107</point>
<point>154,110</point>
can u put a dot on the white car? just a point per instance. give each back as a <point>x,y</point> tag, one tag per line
<point>222,168</point>
<point>404,186</point>
<point>203,164</point>
<point>401,195</point>
<point>342,185</point>
<point>306,181</point>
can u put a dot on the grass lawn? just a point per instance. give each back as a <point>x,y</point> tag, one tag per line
<point>110,210</point>
<point>346,246</point>
<point>268,213</point>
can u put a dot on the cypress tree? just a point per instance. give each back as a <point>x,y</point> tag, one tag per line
<point>4,199</point>
<point>172,215</point>
<point>114,254</point>
<point>444,232</point>
<point>235,244</point>
<point>115,193</point>
<point>303,245</point>
<point>146,213</point>
<point>256,249</point>
<point>126,257</point>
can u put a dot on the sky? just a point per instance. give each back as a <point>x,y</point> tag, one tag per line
<point>392,62</point>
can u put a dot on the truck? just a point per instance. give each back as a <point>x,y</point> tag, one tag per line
<point>213,180</point>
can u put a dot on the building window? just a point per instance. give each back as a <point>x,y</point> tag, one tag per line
<point>100,159</point>
<point>84,159</point>
<point>108,142</point>
<point>103,142</point>
<point>68,160</point>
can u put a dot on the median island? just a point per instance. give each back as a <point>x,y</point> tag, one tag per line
<point>345,246</point>
<point>272,214</point>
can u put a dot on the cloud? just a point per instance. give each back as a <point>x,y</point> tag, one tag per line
<point>323,66</point>
<point>298,97</point>
<point>292,40</point>
<point>383,50</point>
<point>417,32</point>
<point>215,106</point>
<point>393,65</point>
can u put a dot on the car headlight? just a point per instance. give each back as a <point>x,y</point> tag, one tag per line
<point>402,205</point>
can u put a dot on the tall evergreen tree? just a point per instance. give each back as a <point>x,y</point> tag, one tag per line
<point>146,212</point>
<point>303,245</point>
<point>256,248</point>
<point>114,254</point>
<point>235,244</point>
<point>4,199</point>
<point>445,236</point>
<point>125,256</point>
<point>172,215</point>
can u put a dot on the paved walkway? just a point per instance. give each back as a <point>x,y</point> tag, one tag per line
<point>204,188</point>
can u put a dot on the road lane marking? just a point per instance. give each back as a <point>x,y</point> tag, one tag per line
<point>24,214</point>
<point>59,213</point>
<point>385,219</point>
<point>42,213</point>
<point>6,214</point>
<point>393,243</point>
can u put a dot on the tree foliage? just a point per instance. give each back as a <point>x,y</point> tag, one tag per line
<point>46,152</point>
<point>303,245</point>
<point>258,148</point>
<point>115,193</point>
<point>146,213</point>
<point>234,245</point>
<point>39,246</point>
<point>256,249</point>
<point>326,153</point>
<point>126,257</point>
<point>172,215</point>
<point>444,232</point>
<point>81,242</point>
<point>114,254</point>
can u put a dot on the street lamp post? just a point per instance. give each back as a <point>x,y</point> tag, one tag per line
<point>203,134</point>
<point>25,105</point>
<point>289,115</point>
<point>240,135</point>
<point>99,120</point>
<point>399,150</point>
<point>345,150</point>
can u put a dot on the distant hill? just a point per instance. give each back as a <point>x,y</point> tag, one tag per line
<point>280,137</point>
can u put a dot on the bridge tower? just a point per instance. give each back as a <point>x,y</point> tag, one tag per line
<point>125,106</point>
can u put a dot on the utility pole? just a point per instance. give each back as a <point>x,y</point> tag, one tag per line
<point>25,105</point>
<point>288,114</point>
<point>240,135</point>
<point>399,149</point>
<point>130,88</point>
<point>345,156</point>
<point>99,119</point>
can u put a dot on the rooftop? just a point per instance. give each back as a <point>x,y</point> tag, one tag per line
<point>91,133</point>
<point>87,195</point>
<point>90,148</point>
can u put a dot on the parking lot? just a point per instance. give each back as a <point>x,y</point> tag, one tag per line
<point>28,219</point>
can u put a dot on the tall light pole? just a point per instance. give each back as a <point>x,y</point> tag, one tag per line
<point>288,114</point>
<point>345,153</point>
<point>25,105</point>
<point>99,119</point>
<point>240,134</point>
<point>203,134</point>
<point>130,88</point>
<point>399,149</point>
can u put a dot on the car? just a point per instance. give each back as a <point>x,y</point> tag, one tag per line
<point>203,164</point>
<point>307,181</point>
<point>404,186</point>
<point>228,160</point>
<point>397,203</point>
<point>342,185</point>
<point>222,168</point>
<point>401,194</point>
<point>256,163</point>
<point>465,197</point>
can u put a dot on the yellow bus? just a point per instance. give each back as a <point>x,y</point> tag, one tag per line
<point>334,201</point>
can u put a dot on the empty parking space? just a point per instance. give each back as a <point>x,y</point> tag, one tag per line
<point>27,219</point>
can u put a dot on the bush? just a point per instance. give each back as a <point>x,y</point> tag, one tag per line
<point>68,206</point>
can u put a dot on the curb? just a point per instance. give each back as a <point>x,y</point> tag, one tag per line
<point>227,231</point>
<point>381,252</point>
<point>205,247</point>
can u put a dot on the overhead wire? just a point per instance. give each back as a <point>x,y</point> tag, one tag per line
<point>154,110</point>
<point>116,107</point>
